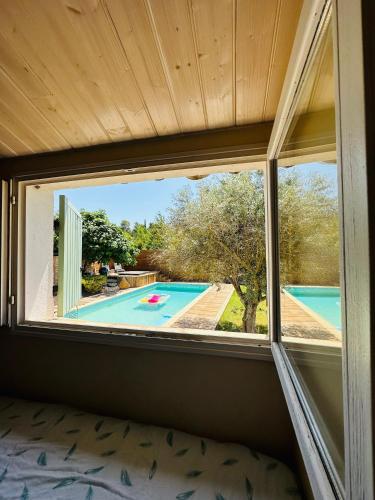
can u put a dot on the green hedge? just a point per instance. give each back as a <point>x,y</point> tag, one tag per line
<point>93,284</point>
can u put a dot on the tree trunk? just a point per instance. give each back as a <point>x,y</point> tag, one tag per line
<point>249,318</point>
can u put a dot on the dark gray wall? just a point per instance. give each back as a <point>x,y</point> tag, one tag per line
<point>224,398</point>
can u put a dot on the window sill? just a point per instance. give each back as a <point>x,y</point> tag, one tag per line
<point>248,346</point>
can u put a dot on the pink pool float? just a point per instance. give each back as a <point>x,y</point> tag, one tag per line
<point>154,299</point>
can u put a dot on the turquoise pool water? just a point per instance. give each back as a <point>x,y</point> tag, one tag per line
<point>324,301</point>
<point>127,309</point>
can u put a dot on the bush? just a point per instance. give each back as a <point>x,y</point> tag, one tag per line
<point>93,284</point>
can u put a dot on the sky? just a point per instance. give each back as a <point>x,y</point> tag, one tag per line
<point>136,201</point>
<point>142,201</point>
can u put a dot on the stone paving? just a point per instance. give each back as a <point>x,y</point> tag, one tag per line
<point>206,312</point>
<point>297,322</point>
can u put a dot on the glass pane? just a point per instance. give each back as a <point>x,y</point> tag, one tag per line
<point>308,201</point>
<point>190,256</point>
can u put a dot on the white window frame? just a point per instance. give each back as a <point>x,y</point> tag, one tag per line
<point>353,154</point>
<point>4,232</point>
<point>201,341</point>
<point>324,480</point>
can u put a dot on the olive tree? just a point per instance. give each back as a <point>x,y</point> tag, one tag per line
<point>217,233</point>
<point>309,230</point>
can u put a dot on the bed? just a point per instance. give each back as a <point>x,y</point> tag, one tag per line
<point>57,452</point>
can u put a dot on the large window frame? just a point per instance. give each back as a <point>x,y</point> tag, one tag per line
<point>241,157</point>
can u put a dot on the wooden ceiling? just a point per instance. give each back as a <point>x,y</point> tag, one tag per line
<point>75,73</point>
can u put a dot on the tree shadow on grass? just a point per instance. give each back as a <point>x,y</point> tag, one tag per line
<point>228,326</point>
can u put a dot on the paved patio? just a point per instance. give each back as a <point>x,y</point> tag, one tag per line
<point>297,322</point>
<point>89,299</point>
<point>206,312</point>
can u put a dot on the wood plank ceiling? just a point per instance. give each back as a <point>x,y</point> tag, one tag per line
<point>80,72</point>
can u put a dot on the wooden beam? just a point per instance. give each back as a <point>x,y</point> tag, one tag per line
<point>312,134</point>
<point>230,145</point>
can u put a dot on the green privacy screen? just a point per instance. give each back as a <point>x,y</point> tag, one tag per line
<point>70,257</point>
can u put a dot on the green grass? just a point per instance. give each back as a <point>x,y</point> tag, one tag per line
<point>231,319</point>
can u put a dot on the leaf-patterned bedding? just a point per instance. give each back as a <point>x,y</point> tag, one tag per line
<point>57,452</point>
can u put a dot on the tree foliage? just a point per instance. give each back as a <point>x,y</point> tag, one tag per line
<point>102,240</point>
<point>149,237</point>
<point>309,231</point>
<point>218,234</point>
<point>125,226</point>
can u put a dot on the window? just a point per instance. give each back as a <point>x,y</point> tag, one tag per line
<point>309,206</point>
<point>153,253</point>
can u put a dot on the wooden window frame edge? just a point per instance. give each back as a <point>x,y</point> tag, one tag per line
<point>354,65</point>
<point>354,47</point>
<point>322,475</point>
<point>311,419</point>
<point>4,232</point>
<point>316,471</point>
<point>308,29</point>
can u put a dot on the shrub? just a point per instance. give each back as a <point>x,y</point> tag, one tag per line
<point>93,284</point>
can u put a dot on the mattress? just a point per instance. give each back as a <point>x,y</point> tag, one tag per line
<point>57,452</point>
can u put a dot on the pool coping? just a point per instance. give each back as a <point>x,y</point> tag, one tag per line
<point>328,326</point>
<point>178,315</point>
<point>219,312</point>
<point>130,273</point>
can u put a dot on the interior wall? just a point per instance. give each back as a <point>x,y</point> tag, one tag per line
<point>39,254</point>
<point>224,398</point>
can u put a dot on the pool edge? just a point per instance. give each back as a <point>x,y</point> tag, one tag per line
<point>331,328</point>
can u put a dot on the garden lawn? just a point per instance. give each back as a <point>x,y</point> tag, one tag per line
<point>231,319</point>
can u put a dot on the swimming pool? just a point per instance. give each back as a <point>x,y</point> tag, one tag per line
<point>323,301</point>
<point>126,308</point>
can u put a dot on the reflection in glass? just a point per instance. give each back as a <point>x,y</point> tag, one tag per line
<point>309,244</point>
<point>309,251</point>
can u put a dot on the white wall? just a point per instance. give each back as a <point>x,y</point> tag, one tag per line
<point>39,254</point>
